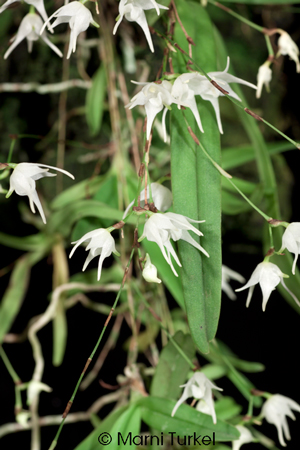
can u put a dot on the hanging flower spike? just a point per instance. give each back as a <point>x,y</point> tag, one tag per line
<point>291,241</point>
<point>185,96</point>
<point>23,179</point>
<point>245,437</point>
<point>275,410</point>
<point>199,387</point>
<point>101,243</point>
<point>150,271</point>
<point>154,97</point>
<point>268,275</point>
<point>227,275</point>
<point>160,228</point>
<point>79,18</point>
<point>38,4</point>
<point>162,198</point>
<point>203,87</point>
<point>264,77</point>
<point>286,46</point>
<point>30,28</point>
<point>133,10</point>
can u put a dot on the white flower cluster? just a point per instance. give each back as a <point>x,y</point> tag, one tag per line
<point>274,410</point>
<point>286,46</point>
<point>157,96</point>
<point>32,27</point>
<point>159,228</point>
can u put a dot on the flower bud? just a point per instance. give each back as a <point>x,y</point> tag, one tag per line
<point>150,271</point>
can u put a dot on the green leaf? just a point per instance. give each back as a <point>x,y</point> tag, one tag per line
<point>172,368</point>
<point>156,413</point>
<point>263,2</point>
<point>214,371</point>
<point>63,219</point>
<point>237,156</point>
<point>127,426</point>
<point>196,187</point>
<point>95,101</point>
<point>91,441</point>
<point>81,190</point>
<point>16,291</point>
<point>28,243</point>
<point>226,408</point>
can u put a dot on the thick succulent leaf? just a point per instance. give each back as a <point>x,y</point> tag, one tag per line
<point>196,187</point>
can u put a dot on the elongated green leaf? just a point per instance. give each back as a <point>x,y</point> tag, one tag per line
<point>91,442</point>
<point>28,243</point>
<point>172,368</point>
<point>63,219</point>
<point>226,408</point>
<point>95,101</point>
<point>156,412</point>
<point>16,291</point>
<point>86,188</point>
<point>125,428</point>
<point>196,188</point>
<point>235,157</point>
<point>264,2</point>
<point>214,371</point>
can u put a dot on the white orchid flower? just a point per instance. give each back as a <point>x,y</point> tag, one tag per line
<point>286,46</point>
<point>185,96</point>
<point>79,18</point>
<point>100,243</point>
<point>291,241</point>
<point>30,28</point>
<point>38,4</point>
<point>23,178</point>
<point>203,87</point>
<point>155,97</point>
<point>160,228</point>
<point>245,437</point>
<point>199,387</point>
<point>162,198</point>
<point>133,10</point>
<point>264,76</point>
<point>227,275</point>
<point>268,275</point>
<point>275,410</point>
<point>150,271</point>
<point>34,388</point>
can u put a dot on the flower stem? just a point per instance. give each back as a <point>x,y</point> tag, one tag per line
<point>178,348</point>
<point>233,100</point>
<point>249,201</point>
<point>90,358</point>
<point>237,16</point>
